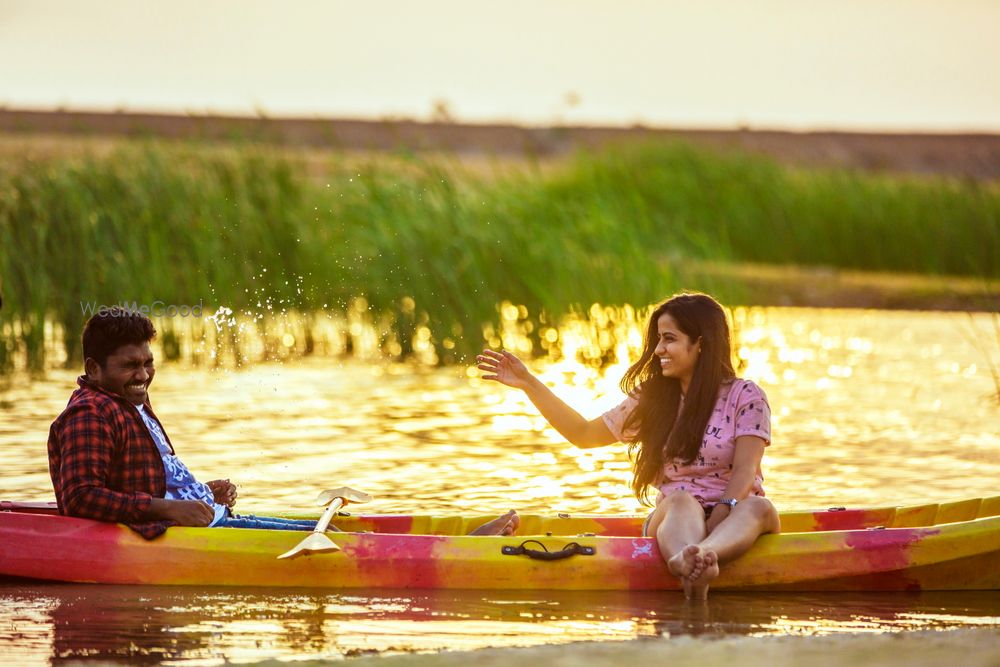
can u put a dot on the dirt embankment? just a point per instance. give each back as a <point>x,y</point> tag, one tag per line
<point>974,647</point>
<point>975,156</point>
<point>830,287</point>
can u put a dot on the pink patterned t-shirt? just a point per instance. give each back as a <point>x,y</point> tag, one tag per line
<point>741,409</point>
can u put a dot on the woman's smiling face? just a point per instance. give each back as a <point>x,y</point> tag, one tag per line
<point>678,354</point>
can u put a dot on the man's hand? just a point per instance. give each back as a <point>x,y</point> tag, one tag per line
<point>181,512</point>
<point>224,491</point>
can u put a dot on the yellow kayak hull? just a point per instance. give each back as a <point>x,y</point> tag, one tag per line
<point>943,546</point>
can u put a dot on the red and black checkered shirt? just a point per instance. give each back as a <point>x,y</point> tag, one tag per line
<point>103,461</point>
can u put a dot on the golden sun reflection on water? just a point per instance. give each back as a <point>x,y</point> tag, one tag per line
<point>869,407</point>
<point>191,626</point>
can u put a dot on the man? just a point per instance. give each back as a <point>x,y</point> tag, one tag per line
<point>110,458</point>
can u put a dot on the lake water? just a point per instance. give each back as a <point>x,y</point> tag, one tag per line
<point>870,407</point>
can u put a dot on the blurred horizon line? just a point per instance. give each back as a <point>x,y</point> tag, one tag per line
<point>966,154</point>
<point>443,116</point>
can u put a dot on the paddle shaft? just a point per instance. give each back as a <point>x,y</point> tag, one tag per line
<point>324,521</point>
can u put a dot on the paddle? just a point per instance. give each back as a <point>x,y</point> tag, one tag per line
<point>317,541</point>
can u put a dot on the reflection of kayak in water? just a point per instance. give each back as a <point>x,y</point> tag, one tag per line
<point>940,546</point>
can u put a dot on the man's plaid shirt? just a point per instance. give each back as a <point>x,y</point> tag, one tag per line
<point>103,462</point>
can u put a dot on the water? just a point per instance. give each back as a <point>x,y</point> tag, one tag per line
<point>59,623</point>
<point>869,407</point>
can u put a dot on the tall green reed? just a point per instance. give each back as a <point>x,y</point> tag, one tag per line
<point>427,242</point>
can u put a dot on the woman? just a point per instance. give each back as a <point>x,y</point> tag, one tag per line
<point>698,433</point>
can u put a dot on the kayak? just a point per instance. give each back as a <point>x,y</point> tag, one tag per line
<point>936,546</point>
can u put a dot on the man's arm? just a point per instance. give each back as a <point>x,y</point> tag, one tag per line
<point>86,444</point>
<point>181,512</point>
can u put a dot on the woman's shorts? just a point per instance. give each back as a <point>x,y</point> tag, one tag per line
<point>645,524</point>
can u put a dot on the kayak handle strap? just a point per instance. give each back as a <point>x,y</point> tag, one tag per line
<point>571,549</point>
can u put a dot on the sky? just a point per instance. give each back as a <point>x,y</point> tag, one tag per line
<point>898,65</point>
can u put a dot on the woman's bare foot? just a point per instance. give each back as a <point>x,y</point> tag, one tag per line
<point>686,562</point>
<point>505,524</point>
<point>696,587</point>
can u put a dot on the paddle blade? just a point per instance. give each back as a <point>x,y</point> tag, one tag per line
<point>315,543</point>
<point>347,493</point>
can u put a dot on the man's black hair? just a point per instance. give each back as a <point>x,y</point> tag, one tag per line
<point>112,328</point>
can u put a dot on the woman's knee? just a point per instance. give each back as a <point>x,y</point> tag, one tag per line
<point>764,511</point>
<point>672,504</point>
<point>676,499</point>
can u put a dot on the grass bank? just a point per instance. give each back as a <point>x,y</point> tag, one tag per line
<point>429,242</point>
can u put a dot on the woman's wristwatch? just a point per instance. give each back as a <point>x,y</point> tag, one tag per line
<point>729,501</point>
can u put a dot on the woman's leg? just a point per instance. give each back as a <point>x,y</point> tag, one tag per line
<point>750,519</point>
<point>681,524</point>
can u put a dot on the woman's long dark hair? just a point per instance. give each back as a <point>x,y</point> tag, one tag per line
<point>665,432</point>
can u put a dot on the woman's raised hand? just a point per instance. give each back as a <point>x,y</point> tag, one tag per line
<point>505,368</point>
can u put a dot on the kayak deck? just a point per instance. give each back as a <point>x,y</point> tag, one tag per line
<point>792,521</point>
<point>938,546</point>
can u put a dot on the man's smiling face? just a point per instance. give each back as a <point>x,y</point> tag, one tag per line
<point>128,372</point>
